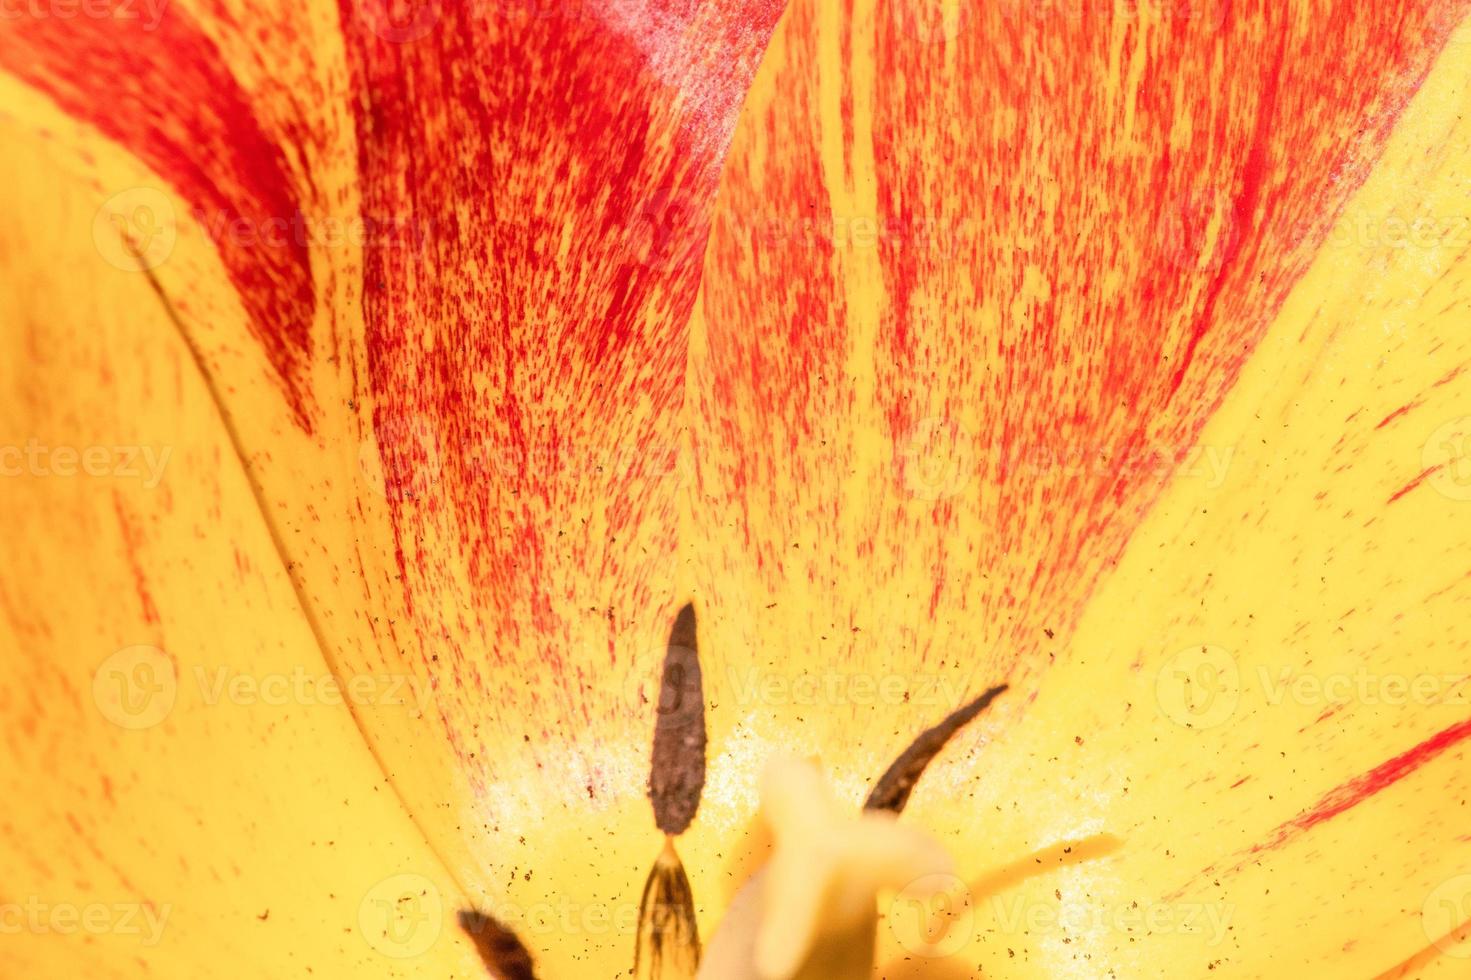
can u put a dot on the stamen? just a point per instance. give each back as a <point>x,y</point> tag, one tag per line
<point>668,936</point>
<point>503,954</point>
<point>892,790</point>
<point>811,912</point>
<point>677,773</point>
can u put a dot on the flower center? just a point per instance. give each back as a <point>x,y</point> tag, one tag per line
<point>811,912</point>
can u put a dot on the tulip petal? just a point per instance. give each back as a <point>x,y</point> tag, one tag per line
<point>952,348</point>
<point>980,280</point>
<point>187,795</point>
<point>180,87</point>
<point>952,341</point>
<point>1281,740</point>
<point>467,453</point>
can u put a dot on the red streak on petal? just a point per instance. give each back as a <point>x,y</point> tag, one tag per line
<point>1355,791</point>
<point>132,541</point>
<point>1344,797</point>
<point>1402,410</point>
<point>1414,483</point>
<point>1243,215</point>
<point>162,91</point>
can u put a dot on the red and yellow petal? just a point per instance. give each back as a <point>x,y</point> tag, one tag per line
<point>234,123</point>
<point>979,280</point>
<point>468,457</point>
<point>188,793</point>
<point>951,341</point>
<point>957,351</point>
<point>1266,702</point>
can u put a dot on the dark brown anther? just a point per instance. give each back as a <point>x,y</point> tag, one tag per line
<point>892,790</point>
<point>502,952</point>
<point>677,772</point>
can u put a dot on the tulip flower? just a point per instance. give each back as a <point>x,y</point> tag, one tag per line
<point>735,489</point>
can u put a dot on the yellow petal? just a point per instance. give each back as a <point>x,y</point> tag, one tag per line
<point>189,795</point>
